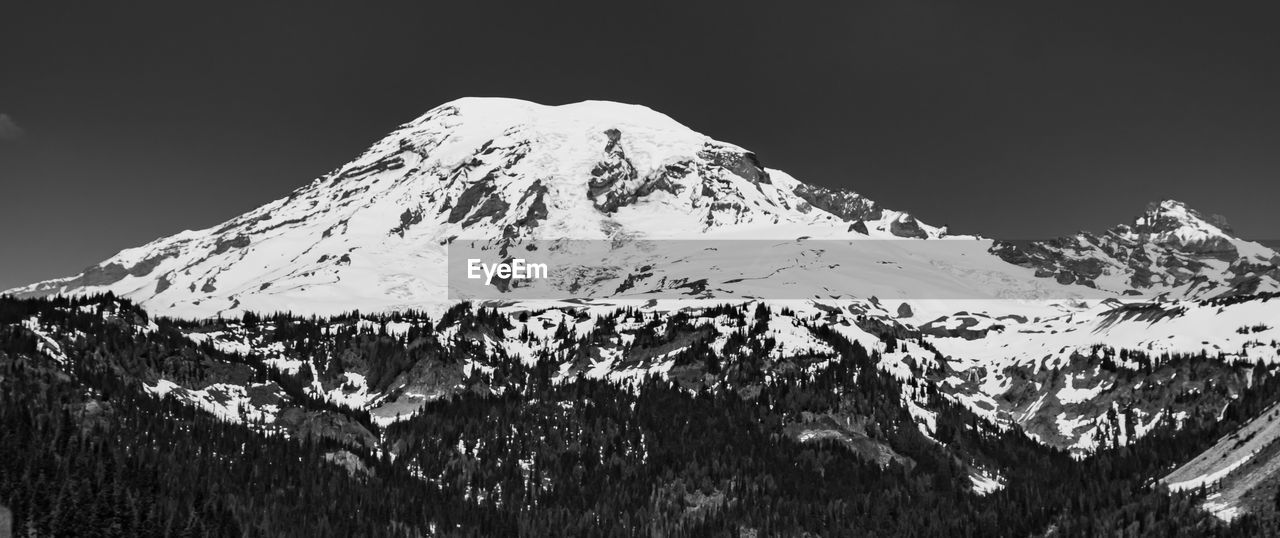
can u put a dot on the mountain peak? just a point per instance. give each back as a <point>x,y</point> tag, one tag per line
<point>1168,204</point>
<point>1169,247</point>
<point>1171,213</point>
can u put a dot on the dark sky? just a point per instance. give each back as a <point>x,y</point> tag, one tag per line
<point>121,122</point>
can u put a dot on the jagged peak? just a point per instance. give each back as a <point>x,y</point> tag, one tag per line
<point>1167,204</point>
<point>1171,215</point>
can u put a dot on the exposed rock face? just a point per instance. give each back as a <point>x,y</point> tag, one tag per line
<point>741,163</point>
<point>864,214</point>
<point>478,202</point>
<point>612,177</point>
<point>907,226</point>
<point>847,205</point>
<point>535,213</point>
<point>409,218</point>
<point>1169,248</point>
<point>615,182</point>
<point>225,244</point>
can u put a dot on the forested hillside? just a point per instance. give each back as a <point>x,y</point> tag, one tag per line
<point>90,447</point>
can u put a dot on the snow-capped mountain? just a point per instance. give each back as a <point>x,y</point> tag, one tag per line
<point>1053,336</point>
<point>1170,249</point>
<point>373,234</point>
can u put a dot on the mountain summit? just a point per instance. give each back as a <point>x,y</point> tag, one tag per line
<point>1169,249</point>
